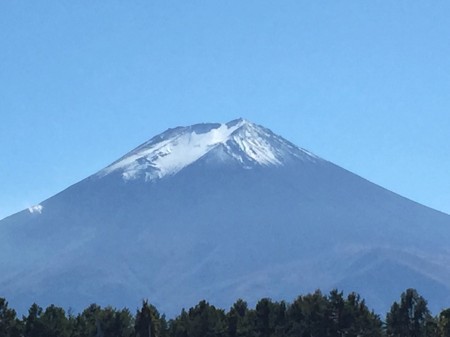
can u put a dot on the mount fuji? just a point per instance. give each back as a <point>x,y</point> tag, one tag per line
<point>221,212</point>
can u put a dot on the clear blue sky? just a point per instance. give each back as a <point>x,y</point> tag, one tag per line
<point>364,84</point>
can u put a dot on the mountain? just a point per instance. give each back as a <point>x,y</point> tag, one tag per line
<point>221,212</point>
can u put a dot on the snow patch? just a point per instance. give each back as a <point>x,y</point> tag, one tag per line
<point>36,209</point>
<point>170,156</point>
<point>173,150</point>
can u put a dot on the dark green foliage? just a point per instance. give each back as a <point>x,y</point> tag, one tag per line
<point>115,323</point>
<point>444,323</point>
<point>410,317</point>
<point>204,320</point>
<point>432,328</point>
<point>311,315</point>
<point>240,320</point>
<point>55,323</point>
<point>10,326</point>
<point>107,322</point>
<point>270,318</point>
<point>319,315</point>
<point>179,326</point>
<point>34,326</point>
<point>148,322</point>
<point>87,323</point>
<point>308,316</point>
<point>351,317</point>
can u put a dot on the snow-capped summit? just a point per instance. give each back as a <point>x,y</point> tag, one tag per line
<point>239,140</point>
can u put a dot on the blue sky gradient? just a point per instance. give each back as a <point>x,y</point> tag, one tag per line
<point>364,84</point>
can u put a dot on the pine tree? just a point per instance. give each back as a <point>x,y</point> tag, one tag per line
<point>9,324</point>
<point>236,319</point>
<point>444,323</point>
<point>147,321</point>
<point>55,323</point>
<point>409,317</point>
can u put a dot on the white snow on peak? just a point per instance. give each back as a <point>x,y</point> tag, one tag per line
<point>177,148</point>
<point>36,209</point>
<point>253,142</point>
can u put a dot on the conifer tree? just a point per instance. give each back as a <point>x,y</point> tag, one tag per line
<point>9,324</point>
<point>147,321</point>
<point>444,323</point>
<point>408,318</point>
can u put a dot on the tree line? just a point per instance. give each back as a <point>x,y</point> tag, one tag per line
<point>311,315</point>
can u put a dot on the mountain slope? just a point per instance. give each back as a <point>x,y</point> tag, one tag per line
<point>221,211</point>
